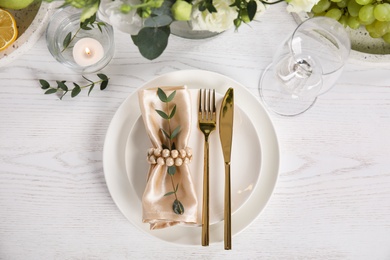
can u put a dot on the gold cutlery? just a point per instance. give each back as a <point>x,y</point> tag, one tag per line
<point>226,135</point>
<point>207,124</point>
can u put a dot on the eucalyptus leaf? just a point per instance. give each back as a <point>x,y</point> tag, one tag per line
<point>171,96</point>
<point>252,8</point>
<point>67,40</point>
<point>102,76</point>
<point>162,114</point>
<point>44,84</point>
<point>172,112</point>
<point>164,9</point>
<point>161,95</point>
<point>63,94</point>
<point>178,207</point>
<point>103,85</point>
<point>165,134</point>
<point>151,42</point>
<point>175,132</point>
<point>76,90</point>
<point>61,85</point>
<point>158,21</point>
<point>91,88</point>
<point>171,170</point>
<point>169,193</point>
<point>51,91</point>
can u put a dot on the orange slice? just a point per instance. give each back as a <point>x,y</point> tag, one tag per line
<point>8,30</point>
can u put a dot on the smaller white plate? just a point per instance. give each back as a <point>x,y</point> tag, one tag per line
<point>246,160</point>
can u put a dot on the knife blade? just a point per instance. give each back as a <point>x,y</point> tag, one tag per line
<point>226,137</point>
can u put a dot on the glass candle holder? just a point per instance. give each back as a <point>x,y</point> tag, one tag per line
<point>88,50</point>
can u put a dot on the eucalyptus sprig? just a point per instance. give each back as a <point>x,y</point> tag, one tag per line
<point>170,135</point>
<point>87,24</point>
<point>64,89</point>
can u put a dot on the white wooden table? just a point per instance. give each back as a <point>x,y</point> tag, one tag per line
<point>332,199</point>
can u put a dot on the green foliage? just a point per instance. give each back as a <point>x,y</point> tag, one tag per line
<point>177,206</point>
<point>87,24</point>
<point>152,41</point>
<point>63,89</point>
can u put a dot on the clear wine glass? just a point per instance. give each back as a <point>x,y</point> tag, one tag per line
<point>306,65</point>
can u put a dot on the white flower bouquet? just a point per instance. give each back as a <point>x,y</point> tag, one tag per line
<point>148,21</point>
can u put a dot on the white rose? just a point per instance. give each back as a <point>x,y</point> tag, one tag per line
<point>217,21</point>
<point>297,6</point>
<point>109,12</point>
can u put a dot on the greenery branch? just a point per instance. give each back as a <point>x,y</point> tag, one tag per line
<point>64,89</point>
<point>87,24</point>
<point>170,135</point>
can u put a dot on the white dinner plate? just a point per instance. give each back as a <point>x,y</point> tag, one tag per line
<point>255,158</point>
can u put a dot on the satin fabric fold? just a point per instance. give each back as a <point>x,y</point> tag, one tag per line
<point>157,208</point>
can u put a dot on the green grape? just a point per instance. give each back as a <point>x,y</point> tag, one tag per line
<point>353,22</point>
<point>319,14</point>
<point>374,35</point>
<point>366,14</point>
<point>381,12</point>
<point>344,20</point>
<point>364,2</point>
<point>353,8</point>
<point>342,4</point>
<point>381,28</point>
<point>334,14</point>
<point>386,37</point>
<point>321,6</point>
<point>370,28</point>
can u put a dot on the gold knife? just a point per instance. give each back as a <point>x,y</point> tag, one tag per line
<point>226,136</point>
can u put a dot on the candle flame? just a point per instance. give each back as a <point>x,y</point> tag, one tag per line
<point>87,51</point>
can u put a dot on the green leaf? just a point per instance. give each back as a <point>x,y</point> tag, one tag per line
<point>75,91</point>
<point>90,89</point>
<point>252,8</point>
<point>67,40</point>
<point>171,170</point>
<point>172,112</point>
<point>102,76</point>
<point>151,42</point>
<point>178,207</point>
<point>171,96</point>
<point>175,132</point>
<point>166,134</point>
<point>161,95</point>
<point>162,114</point>
<point>89,11</point>
<point>169,193</point>
<point>51,91</point>
<point>44,84</point>
<point>63,94</point>
<point>158,21</point>
<point>88,79</point>
<point>103,85</point>
<point>61,85</point>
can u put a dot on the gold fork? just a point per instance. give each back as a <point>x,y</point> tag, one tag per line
<point>207,123</point>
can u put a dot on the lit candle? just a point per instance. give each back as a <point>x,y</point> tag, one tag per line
<point>87,52</point>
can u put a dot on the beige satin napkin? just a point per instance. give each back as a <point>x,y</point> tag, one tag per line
<point>157,205</point>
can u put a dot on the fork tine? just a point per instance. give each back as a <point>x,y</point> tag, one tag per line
<point>214,110</point>
<point>200,101</point>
